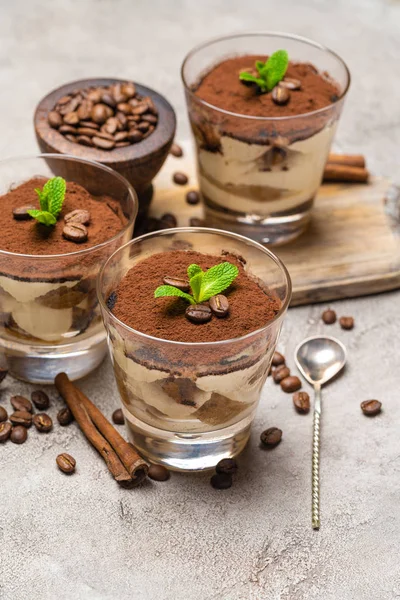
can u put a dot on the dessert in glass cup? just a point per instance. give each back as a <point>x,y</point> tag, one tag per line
<point>60,218</point>
<point>263,108</point>
<point>193,317</point>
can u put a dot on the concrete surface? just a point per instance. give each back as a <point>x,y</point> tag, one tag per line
<point>83,538</point>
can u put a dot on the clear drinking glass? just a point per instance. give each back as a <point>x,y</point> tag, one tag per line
<point>258,176</point>
<point>49,315</point>
<point>187,405</point>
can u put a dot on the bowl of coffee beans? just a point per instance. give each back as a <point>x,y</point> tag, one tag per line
<point>120,124</point>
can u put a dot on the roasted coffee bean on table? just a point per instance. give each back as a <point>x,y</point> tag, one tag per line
<point>21,213</point>
<point>329,317</point>
<point>290,384</point>
<point>158,473</point>
<point>66,463</point>
<point>21,403</point>
<point>75,232</point>
<point>271,437</point>
<point>5,430</point>
<point>40,399</point>
<point>227,465</point>
<point>181,284</point>
<point>219,305</point>
<point>21,417</point>
<point>280,373</point>
<point>221,481</point>
<point>193,197</point>
<point>198,313</point>
<point>18,434</point>
<point>42,422</point>
<point>65,416</point>
<point>346,322</point>
<point>301,401</point>
<point>176,150</point>
<point>371,407</point>
<point>278,359</point>
<point>3,414</point>
<point>180,178</point>
<point>118,417</point>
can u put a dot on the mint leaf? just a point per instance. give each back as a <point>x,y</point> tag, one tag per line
<point>195,284</point>
<point>170,290</point>
<point>192,270</point>
<point>216,280</point>
<point>244,76</point>
<point>260,66</point>
<point>275,68</point>
<point>55,189</point>
<point>43,216</point>
<point>42,199</point>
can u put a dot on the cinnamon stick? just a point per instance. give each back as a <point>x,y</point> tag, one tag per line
<point>352,160</point>
<point>335,172</point>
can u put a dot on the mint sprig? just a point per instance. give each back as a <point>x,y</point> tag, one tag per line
<point>204,284</point>
<point>270,73</point>
<point>51,199</point>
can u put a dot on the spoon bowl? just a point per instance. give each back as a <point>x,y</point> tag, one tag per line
<point>320,358</point>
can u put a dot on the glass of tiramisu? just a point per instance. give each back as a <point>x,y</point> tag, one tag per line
<point>263,108</point>
<point>60,218</point>
<point>193,316</point>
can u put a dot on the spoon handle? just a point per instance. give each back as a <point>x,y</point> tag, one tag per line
<point>315,458</point>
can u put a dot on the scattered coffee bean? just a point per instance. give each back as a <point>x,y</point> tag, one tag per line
<point>40,399</point>
<point>227,465</point>
<point>221,481</point>
<point>65,416</point>
<point>170,220</point>
<point>118,417</point>
<point>280,95</point>
<point>66,463</point>
<point>158,473</point>
<point>278,359</point>
<point>75,232</point>
<point>3,374</point>
<point>3,414</point>
<point>21,417</point>
<point>176,150</point>
<point>198,313</point>
<point>346,323</point>
<point>271,437</point>
<point>301,401</point>
<point>5,430</point>
<point>181,284</point>
<point>290,84</point>
<point>371,407</point>
<point>42,422</point>
<point>219,305</point>
<point>79,215</point>
<point>280,373</point>
<point>21,403</point>
<point>18,434</point>
<point>21,213</point>
<point>329,317</point>
<point>180,178</point>
<point>196,222</point>
<point>193,197</point>
<point>111,300</point>
<point>290,384</point>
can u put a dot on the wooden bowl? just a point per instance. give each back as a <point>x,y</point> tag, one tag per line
<point>138,163</point>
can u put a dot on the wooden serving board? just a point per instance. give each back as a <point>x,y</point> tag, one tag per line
<point>351,248</point>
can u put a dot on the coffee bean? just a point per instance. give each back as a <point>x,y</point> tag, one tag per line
<point>301,401</point>
<point>42,422</point>
<point>18,435</point>
<point>193,197</point>
<point>290,84</point>
<point>5,430</point>
<point>271,437</point>
<point>121,136</point>
<point>88,125</point>
<point>158,473</point>
<point>71,118</point>
<point>198,313</point>
<point>118,417</point>
<point>75,232</point>
<point>135,136</point>
<point>346,323</point>
<point>176,150</point>
<point>221,481</point>
<point>219,305</point>
<point>371,407</point>
<point>3,374</point>
<point>152,119</point>
<point>280,373</point>
<point>180,178</point>
<point>21,417</point>
<point>280,95</point>
<point>21,213</point>
<point>128,89</point>
<point>143,126</point>
<point>227,465</point>
<point>66,463</point>
<point>40,399</point>
<point>329,317</point>
<point>290,384</point>
<point>103,144</point>
<point>109,99</point>
<point>181,284</point>
<point>65,416</point>
<point>278,359</point>
<point>63,100</point>
<point>84,140</point>
<point>21,403</point>
<point>99,113</point>
<point>79,215</point>
<point>65,129</point>
<point>122,120</point>
<point>103,135</point>
<point>85,110</point>
<point>71,138</point>
<point>86,132</point>
<point>55,119</point>
<point>125,108</point>
<point>170,219</point>
<point>139,110</point>
<point>3,414</point>
<point>196,222</point>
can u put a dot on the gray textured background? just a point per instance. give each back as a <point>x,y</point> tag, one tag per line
<point>83,538</point>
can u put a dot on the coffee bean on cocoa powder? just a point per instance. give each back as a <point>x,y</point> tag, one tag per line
<point>329,317</point>
<point>66,463</point>
<point>227,465</point>
<point>18,435</point>
<point>371,407</point>
<point>5,430</point>
<point>21,213</point>
<point>40,399</point>
<point>280,373</point>
<point>280,95</point>
<point>180,178</point>
<point>301,401</point>
<point>181,284</point>
<point>158,473</point>
<point>75,232</point>
<point>169,219</point>
<point>291,384</point>
<point>271,437</point>
<point>221,481</point>
<point>21,417</point>
<point>198,313</point>
<point>21,403</point>
<point>3,414</point>
<point>176,150</point>
<point>290,84</point>
<point>65,416</point>
<point>118,417</point>
<point>42,422</point>
<point>79,215</point>
<point>219,305</point>
<point>346,323</point>
<point>278,359</point>
<point>193,197</point>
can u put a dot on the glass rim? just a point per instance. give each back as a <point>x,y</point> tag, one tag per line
<point>195,230</point>
<point>132,195</point>
<point>291,36</point>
